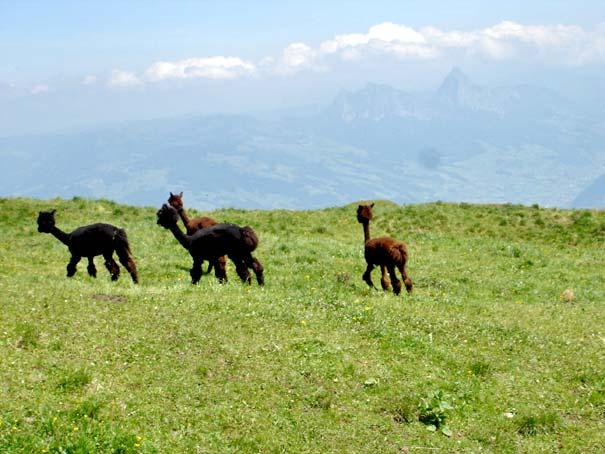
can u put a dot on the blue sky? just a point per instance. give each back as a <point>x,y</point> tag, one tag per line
<point>65,64</point>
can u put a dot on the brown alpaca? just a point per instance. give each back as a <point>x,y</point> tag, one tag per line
<point>191,225</point>
<point>385,252</point>
<point>195,224</point>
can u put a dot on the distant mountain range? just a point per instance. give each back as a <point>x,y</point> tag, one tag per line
<point>462,142</point>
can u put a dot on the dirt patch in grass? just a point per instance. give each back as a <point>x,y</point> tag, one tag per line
<point>109,298</point>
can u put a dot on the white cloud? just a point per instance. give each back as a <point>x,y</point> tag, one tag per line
<point>209,68</point>
<point>120,78</point>
<point>564,44</point>
<point>507,40</point>
<point>539,35</point>
<point>389,32</point>
<point>298,54</point>
<point>443,39</point>
<point>295,57</point>
<point>38,89</point>
<point>387,37</point>
<point>596,51</point>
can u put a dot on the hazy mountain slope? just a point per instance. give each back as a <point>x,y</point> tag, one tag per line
<point>462,142</point>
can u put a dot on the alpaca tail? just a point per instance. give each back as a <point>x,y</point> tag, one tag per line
<point>249,238</point>
<point>122,248</point>
<point>401,252</point>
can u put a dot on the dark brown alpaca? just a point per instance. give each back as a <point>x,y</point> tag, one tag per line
<point>385,252</point>
<point>193,225</point>
<point>89,241</point>
<point>216,241</point>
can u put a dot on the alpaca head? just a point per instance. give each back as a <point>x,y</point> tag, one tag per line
<point>176,201</point>
<point>167,216</point>
<point>364,213</point>
<point>46,221</point>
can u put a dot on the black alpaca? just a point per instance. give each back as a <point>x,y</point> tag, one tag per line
<point>195,224</point>
<point>89,241</point>
<point>213,242</point>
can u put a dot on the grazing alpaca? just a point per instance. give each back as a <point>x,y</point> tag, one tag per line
<point>89,241</point>
<point>213,242</point>
<point>193,225</point>
<point>385,252</point>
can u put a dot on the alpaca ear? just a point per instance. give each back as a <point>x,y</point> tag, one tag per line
<point>372,205</point>
<point>53,211</point>
<point>181,194</point>
<point>171,194</point>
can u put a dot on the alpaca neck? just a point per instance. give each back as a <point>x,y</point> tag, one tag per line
<point>183,215</point>
<point>180,236</point>
<point>60,235</point>
<point>366,231</point>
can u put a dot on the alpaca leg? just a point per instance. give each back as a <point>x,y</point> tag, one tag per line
<point>259,271</point>
<point>196,271</point>
<point>219,272</point>
<point>242,271</point>
<point>222,263</point>
<point>394,280</point>
<point>111,266</point>
<point>384,281</point>
<point>257,267</point>
<point>406,279</point>
<point>128,263</point>
<point>72,265</point>
<point>92,270</point>
<point>367,275</point>
<point>220,269</point>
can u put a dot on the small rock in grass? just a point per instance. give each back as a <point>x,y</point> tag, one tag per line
<point>567,295</point>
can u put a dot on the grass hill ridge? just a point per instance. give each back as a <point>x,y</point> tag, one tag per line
<point>500,348</point>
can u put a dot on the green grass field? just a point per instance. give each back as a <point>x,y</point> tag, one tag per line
<point>487,355</point>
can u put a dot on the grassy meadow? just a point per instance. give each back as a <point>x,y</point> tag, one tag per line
<point>501,347</point>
